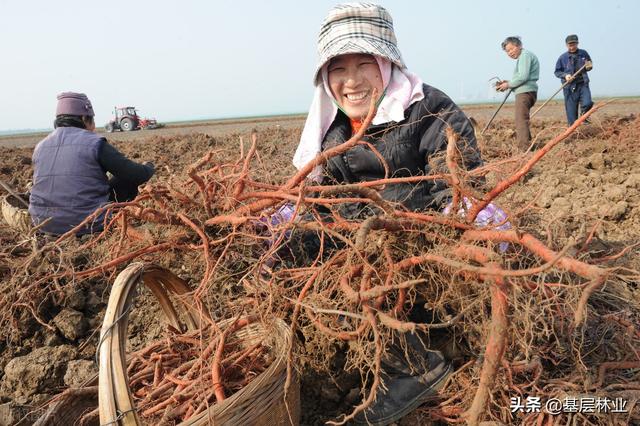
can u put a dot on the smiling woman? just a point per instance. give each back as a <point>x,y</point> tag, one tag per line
<point>352,79</point>
<point>359,58</point>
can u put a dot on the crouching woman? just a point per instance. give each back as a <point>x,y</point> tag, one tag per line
<point>360,59</point>
<point>70,168</point>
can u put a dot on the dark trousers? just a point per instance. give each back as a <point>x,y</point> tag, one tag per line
<point>576,95</point>
<point>524,103</point>
<point>122,190</point>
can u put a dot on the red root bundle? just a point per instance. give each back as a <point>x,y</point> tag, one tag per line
<point>182,375</point>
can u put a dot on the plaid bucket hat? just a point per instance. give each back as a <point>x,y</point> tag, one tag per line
<point>357,28</point>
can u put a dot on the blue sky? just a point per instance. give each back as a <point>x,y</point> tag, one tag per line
<point>207,59</point>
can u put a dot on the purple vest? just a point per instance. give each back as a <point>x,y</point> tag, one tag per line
<point>68,181</point>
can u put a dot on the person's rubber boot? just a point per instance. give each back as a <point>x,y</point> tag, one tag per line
<point>412,376</point>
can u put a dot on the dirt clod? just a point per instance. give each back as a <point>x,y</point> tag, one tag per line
<point>71,323</point>
<point>41,370</point>
<point>615,211</point>
<point>78,371</point>
<point>596,161</point>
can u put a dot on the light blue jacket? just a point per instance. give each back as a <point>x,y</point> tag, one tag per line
<point>526,74</point>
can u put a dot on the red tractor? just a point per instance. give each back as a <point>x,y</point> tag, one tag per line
<point>127,119</point>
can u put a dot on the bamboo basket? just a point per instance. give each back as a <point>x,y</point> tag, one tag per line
<point>15,214</point>
<point>261,402</point>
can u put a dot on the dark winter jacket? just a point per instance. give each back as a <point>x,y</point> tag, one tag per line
<point>415,146</point>
<point>569,63</point>
<point>70,181</point>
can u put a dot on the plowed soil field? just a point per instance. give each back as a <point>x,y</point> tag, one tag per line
<point>589,185</point>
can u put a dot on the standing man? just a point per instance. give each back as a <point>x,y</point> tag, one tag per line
<point>576,92</point>
<point>524,84</point>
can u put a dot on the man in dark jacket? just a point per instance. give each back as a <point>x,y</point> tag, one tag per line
<point>70,170</point>
<point>576,92</point>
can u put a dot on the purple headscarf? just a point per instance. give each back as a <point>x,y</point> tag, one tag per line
<point>71,103</point>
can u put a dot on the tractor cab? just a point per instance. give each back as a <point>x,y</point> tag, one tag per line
<point>121,112</point>
<point>127,119</point>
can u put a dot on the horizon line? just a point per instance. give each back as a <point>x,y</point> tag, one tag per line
<point>27,131</point>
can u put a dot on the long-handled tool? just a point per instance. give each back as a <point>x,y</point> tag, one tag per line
<point>14,194</point>
<point>497,111</point>
<point>558,91</point>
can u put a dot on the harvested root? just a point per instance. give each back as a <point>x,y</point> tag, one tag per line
<point>531,303</point>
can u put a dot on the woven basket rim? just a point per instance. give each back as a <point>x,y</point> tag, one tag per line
<point>251,402</point>
<point>245,398</point>
<point>15,216</point>
<point>11,201</point>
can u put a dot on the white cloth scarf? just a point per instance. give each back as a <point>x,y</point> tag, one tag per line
<point>403,89</point>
